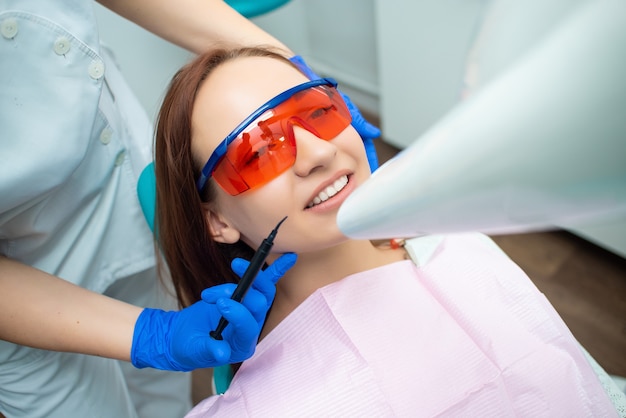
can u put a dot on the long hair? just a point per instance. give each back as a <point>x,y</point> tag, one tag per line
<point>195,261</point>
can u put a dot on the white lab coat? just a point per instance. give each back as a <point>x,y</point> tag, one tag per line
<point>73,140</point>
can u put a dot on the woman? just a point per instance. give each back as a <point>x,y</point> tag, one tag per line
<point>355,329</point>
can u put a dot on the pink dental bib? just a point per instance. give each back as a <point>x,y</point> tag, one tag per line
<point>465,335</point>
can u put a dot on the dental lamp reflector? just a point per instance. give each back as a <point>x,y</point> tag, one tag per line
<point>541,146</point>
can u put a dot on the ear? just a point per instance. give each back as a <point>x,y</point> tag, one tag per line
<point>221,229</point>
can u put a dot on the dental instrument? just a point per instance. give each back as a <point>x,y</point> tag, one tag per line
<point>248,277</point>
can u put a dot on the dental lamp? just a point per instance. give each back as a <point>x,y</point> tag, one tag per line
<point>542,145</point>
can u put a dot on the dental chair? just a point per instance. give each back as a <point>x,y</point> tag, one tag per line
<point>255,7</point>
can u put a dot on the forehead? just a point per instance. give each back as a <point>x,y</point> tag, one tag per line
<point>236,89</point>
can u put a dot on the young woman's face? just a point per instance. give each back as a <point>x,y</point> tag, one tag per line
<point>231,93</point>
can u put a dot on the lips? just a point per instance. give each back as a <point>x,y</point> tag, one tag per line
<point>329,191</point>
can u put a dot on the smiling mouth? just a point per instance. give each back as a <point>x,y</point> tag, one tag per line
<point>329,191</point>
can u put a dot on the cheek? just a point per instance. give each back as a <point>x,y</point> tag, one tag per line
<point>257,212</point>
<point>352,144</point>
<point>224,203</point>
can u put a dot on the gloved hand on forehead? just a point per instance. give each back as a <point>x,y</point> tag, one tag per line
<point>180,340</point>
<point>367,131</point>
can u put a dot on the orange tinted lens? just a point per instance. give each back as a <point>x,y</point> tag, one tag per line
<point>321,111</point>
<point>255,158</point>
<point>267,147</point>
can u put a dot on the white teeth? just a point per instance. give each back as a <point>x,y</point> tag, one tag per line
<point>330,191</point>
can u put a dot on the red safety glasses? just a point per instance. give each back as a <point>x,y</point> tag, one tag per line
<point>263,146</point>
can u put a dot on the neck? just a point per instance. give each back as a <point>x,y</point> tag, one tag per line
<point>318,269</point>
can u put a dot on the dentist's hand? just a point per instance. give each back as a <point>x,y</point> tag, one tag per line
<point>180,341</point>
<point>367,131</point>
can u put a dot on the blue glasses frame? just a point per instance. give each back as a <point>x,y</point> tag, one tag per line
<point>220,151</point>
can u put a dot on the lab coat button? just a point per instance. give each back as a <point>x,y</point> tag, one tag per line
<point>96,69</point>
<point>120,158</point>
<point>105,136</point>
<point>61,45</point>
<point>8,28</point>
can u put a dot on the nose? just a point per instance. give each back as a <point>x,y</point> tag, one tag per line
<point>312,153</point>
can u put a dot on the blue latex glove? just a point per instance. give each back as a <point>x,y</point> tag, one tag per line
<point>367,131</point>
<point>180,341</point>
